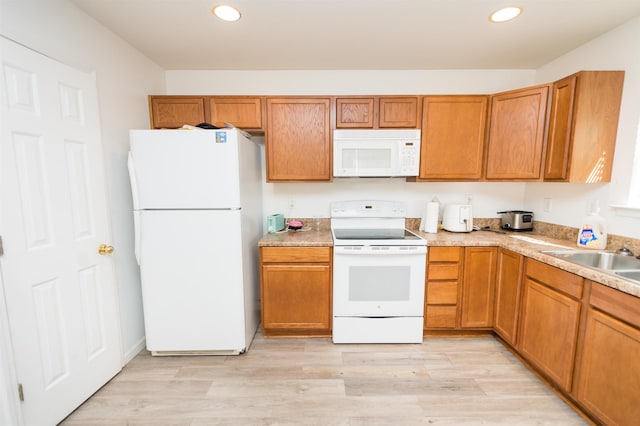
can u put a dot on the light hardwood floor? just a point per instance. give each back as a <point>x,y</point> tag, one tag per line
<point>453,381</point>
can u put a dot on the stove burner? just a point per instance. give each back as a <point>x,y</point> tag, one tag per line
<point>374,234</point>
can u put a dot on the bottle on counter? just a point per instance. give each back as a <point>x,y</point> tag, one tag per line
<point>593,232</point>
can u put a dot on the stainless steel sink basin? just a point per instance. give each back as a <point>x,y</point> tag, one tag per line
<point>627,267</point>
<point>632,275</point>
<point>598,259</point>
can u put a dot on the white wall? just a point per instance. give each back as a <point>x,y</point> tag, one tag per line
<point>616,50</point>
<point>314,198</point>
<point>60,30</point>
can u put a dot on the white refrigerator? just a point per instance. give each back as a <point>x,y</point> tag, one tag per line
<point>197,200</point>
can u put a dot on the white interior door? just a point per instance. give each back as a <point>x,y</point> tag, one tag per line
<point>60,293</point>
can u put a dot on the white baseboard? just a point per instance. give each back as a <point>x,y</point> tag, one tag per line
<point>135,350</point>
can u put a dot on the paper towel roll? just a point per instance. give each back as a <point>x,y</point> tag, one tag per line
<point>431,217</point>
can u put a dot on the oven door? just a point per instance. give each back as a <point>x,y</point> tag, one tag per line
<point>378,281</point>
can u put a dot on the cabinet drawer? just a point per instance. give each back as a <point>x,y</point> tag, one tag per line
<point>443,271</point>
<point>442,293</point>
<point>616,303</point>
<point>295,254</point>
<point>441,317</point>
<point>551,276</point>
<point>445,254</point>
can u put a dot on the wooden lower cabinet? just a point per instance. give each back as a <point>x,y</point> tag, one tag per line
<point>476,306</point>
<point>550,319</point>
<point>459,288</point>
<point>295,289</point>
<point>444,272</point>
<point>507,295</point>
<point>608,375</point>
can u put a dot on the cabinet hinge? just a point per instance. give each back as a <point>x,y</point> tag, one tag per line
<point>20,392</point>
<point>1,246</point>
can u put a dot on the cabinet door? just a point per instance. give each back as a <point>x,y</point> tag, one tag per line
<point>401,111</point>
<point>583,126</point>
<point>609,380</point>
<point>298,139</point>
<point>172,112</point>
<point>507,306</point>
<point>476,309</point>
<point>453,136</point>
<point>354,113</point>
<point>516,134</point>
<point>296,297</point>
<point>243,112</point>
<point>548,331</point>
<point>557,156</point>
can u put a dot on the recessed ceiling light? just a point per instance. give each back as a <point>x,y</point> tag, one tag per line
<point>505,14</point>
<point>226,13</point>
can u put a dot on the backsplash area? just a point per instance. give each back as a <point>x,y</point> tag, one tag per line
<point>614,242</point>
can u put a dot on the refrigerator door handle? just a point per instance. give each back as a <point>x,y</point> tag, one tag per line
<point>136,213</point>
<point>136,235</point>
<point>132,179</point>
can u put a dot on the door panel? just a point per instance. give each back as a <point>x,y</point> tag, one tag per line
<point>60,293</point>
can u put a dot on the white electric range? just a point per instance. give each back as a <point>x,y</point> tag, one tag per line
<point>378,274</point>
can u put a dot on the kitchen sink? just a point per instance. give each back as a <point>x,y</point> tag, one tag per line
<point>627,267</point>
<point>597,259</point>
<point>632,275</point>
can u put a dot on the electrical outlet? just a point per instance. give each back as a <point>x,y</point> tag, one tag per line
<point>292,204</point>
<point>548,205</point>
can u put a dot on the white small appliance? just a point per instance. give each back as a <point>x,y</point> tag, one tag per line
<point>458,218</point>
<point>197,200</point>
<point>378,274</point>
<point>376,153</point>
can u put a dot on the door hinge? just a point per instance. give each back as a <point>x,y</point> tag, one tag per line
<point>1,247</point>
<point>20,392</point>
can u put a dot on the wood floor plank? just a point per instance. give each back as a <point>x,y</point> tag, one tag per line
<point>448,381</point>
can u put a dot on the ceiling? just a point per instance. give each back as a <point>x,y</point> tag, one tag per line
<point>357,34</point>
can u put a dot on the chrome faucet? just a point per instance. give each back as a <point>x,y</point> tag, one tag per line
<point>624,250</point>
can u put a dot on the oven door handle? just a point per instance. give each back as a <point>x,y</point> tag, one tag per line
<point>380,250</point>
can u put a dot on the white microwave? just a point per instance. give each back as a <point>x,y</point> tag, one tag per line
<point>376,153</point>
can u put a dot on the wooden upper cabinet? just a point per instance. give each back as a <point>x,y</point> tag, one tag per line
<point>453,137</point>
<point>399,112</point>
<point>583,125</point>
<point>242,112</point>
<point>516,134</point>
<point>172,112</point>
<point>355,112</point>
<point>378,112</point>
<point>298,139</point>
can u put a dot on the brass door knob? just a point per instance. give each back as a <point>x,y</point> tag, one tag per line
<point>105,249</point>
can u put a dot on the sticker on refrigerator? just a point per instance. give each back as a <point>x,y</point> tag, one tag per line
<point>221,137</point>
